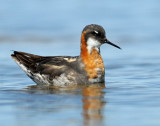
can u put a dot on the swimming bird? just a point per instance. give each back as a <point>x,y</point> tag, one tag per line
<point>87,68</point>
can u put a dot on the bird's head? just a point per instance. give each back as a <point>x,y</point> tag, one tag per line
<point>94,36</point>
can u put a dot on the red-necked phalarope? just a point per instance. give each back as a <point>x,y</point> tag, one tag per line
<point>88,68</point>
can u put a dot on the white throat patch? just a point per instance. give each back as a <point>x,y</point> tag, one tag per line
<point>92,43</point>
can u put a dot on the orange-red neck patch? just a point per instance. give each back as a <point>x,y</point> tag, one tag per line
<point>93,61</point>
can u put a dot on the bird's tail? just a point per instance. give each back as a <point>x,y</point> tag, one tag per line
<point>25,60</point>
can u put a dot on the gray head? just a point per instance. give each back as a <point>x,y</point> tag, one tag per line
<point>95,36</point>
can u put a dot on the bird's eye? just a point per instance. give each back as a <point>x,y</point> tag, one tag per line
<point>96,33</point>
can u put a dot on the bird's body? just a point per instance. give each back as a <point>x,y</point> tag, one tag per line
<point>88,68</point>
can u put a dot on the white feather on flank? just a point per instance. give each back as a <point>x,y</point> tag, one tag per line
<point>93,43</point>
<point>62,81</point>
<point>38,78</point>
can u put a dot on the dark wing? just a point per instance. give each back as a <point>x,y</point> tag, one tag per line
<point>54,66</point>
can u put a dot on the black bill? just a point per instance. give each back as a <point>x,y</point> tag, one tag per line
<point>108,42</point>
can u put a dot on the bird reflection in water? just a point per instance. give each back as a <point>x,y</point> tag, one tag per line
<point>93,102</point>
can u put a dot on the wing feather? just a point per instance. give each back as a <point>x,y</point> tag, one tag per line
<point>53,66</point>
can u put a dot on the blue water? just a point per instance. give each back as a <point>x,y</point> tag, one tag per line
<point>132,90</point>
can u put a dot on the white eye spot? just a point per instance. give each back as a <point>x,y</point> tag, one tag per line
<point>96,32</point>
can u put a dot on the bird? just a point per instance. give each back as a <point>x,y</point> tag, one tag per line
<point>87,68</point>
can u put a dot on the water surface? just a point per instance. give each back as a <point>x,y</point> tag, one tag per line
<point>131,95</point>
